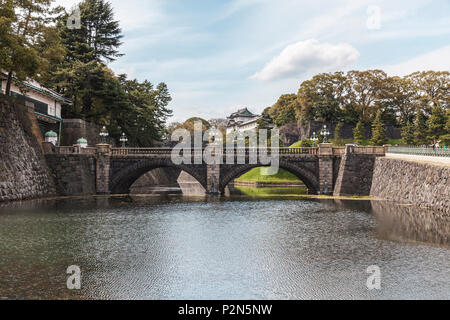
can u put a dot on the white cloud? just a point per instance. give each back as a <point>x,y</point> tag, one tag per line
<point>308,56</point>
<point>437,60</point>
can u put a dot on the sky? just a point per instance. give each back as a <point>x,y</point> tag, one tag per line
<point>219,56</point>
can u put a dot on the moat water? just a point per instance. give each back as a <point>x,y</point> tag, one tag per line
<point>239,247</point>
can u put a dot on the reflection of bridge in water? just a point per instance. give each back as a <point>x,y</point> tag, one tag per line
<point>116,169</point>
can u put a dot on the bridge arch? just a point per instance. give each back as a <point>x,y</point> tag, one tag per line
<point>308,176</point>
<point>122,180</point>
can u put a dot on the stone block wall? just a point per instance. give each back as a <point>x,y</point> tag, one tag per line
<point>74,174</point>
<point>420,184</point>
<point>24,173</point>
<point>355,175</point>
<point>74,129</point>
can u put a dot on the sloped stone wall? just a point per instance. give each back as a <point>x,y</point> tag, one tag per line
<point>74,174</point>
<point>23,171</point>
<point>355,175</point>
<point>420,184</point>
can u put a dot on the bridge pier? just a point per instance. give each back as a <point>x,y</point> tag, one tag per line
<point>103,164</point>
<point>326,169</point>
<point>213,179</point>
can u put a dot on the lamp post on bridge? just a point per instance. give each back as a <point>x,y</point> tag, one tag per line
<point>325,133</point>
<point>314,139</point>
<point>123,139</point>
<point>104,134</point>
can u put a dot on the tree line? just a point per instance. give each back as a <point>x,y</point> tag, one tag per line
<point>37,42</point>
<point>418,103</point>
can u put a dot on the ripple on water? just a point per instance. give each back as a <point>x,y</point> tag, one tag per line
<point>178,248</point>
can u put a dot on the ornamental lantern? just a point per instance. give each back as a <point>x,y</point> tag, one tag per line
<point>123,139</point>
<point>325,133</point>
<point>104,134</point>
<point>82,143</point>
<point>51,137</point>
<point>314,139</point>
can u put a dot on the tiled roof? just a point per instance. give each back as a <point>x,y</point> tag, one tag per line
<point>36,86</point>
<point>243,113</point>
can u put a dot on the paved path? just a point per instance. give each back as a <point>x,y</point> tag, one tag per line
<point>441,161</point>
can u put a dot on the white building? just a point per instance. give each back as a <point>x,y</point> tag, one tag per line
<point>241,121</point>
<point>46,103</point>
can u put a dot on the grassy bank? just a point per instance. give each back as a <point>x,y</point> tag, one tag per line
<point>255,175</point>
<point>267,192</point>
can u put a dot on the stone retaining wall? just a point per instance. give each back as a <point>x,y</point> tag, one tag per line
<point>355,175</point>
<point>23,171</point>
<point>420,184</point>
<point>74,129</point>
<point>74,174</point>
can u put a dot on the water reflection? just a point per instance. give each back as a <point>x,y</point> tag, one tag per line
<point>175,247</point>
<point>408,223</point>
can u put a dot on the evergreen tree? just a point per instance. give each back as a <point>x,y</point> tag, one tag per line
<point>445,139</point>
<point>359,133</point>
<point>436,123</point>
<point>136,108</point>
<point>408,134</point>
<point>337,134</point>
<point>379,137</point>
<point>420,129</point>
<point>99,36</point>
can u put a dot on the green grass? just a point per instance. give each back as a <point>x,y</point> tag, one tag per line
<point>296,145</point>
<point>262,192</point>
<point>255,175</point>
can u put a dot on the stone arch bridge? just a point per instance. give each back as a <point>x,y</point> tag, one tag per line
<point>106,170</point>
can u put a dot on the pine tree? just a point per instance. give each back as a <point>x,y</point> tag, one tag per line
<point>359,133</point>
<point>337,134</point>
<point>99,36</point>
<point>408,134</point>
<point>436,124</point>
<point>420,129</point>
<point>379,137</point>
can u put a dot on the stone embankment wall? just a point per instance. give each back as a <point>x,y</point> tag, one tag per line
<point>74,129</point>
<point>23,171</point>
<point>74,174</point>
<point>416,183</point>
<point>355,174</point>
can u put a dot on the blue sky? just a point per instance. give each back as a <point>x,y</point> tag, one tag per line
<point>217,56</point>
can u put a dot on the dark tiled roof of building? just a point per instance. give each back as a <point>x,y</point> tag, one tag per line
<point>242,113</point>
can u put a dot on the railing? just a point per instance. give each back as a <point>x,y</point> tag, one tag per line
<point>238,151</point>
<point>88,150</point>
<point>283,152</point>
<point>337,151</point>
<point>75,150</point>
<point>369,150</point>
<point>140,151</point>
<point>421,151</point>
